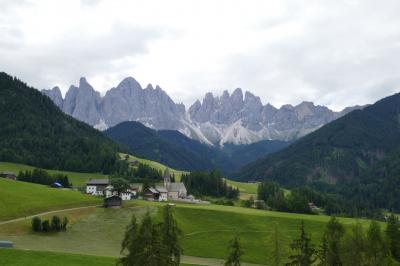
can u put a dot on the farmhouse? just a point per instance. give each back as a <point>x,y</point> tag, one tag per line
<point>151,194</point>
<point>125,195</point>
<point>97,186</point>
<point>9,175</point>
<point>112,202</point>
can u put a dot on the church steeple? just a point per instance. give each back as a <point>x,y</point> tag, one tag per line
<point>167,178</point>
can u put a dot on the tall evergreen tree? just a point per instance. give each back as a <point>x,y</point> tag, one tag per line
<point>322,252</point>
<point>333,233</point>
<point>129,244</point>
<point>354,248</point>
<point>277,245</point>
<point>170,235</point>
<point>378,253</point>
<point>393,236</point>
<point>304,252</point>
<point>235,252</point>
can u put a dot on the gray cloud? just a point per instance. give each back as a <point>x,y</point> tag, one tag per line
<point>335,53</point>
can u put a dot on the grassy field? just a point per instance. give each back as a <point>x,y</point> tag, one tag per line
<point>17,257</point>
<point>18,199</point>
<point>156,165</point>
<point>207,230</point>
<point>77,179</point>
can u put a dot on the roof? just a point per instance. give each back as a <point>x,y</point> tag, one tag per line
<point>173,187</point>
<point>162,190</point>
<point>153,190</point>
<point>104,181</point>
<point>7,173</point>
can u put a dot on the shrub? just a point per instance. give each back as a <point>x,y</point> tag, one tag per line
<point>36,224</point>
<point>46,226</point>
<point>64,224</point>
<point>56,223</point>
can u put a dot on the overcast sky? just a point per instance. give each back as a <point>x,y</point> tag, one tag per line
<point>334,53</point>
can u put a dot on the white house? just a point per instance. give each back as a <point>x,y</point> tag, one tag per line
<point>97,186</point>
<point>109,191</point>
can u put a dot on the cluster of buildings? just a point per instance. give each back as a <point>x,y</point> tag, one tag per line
<point>113,198</point>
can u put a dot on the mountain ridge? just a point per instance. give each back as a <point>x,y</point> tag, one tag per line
<point>216,120</point>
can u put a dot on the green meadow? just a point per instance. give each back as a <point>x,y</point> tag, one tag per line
<point>19,199</point>
<point>207,229</point>
<point>77,179</point>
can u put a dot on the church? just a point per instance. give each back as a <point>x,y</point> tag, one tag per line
<point>175,190</point>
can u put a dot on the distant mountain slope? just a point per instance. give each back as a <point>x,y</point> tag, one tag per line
<point>351,146</point>
<point>35,132</point>
<point>217,120</point>
<point>148,143</point>
<point>178,151</point>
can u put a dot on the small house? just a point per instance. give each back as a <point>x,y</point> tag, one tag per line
<point>113,202</point>
<point>163,194</point>
<point>151,194</point>
<point>97,186</point>
<point>9,175</point>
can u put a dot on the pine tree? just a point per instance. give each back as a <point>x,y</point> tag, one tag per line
<point>393,236</point>
<point>304,250</point>
<point>277,246</point>
<point>353,247</point>
<point>333,233</point>
<point>322,252</point>
<point>235,252</point>
<point>170,235</point>
<point>378,253</point>
<point>128,244</point>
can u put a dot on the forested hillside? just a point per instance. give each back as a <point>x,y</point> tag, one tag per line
<point>341,150</point>
<point>176,150</point>
<point>34,131</point>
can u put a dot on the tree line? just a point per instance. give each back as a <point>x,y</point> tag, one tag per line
<point>338,246</point>
<point>209,184</point>
<point>54,225</point>
<point>40,176</point>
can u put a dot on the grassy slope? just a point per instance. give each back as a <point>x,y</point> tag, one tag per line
<point>207,230</point>
<point>15,257</point>
<point>18,199</point>
<point>156,165</point>
<point>77,179</point>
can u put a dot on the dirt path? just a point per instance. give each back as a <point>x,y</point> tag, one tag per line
<point>45,213</point>
<point>209,261</point>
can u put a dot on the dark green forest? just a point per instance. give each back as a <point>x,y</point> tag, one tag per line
<point>356,157</point>
<point>34,131</point>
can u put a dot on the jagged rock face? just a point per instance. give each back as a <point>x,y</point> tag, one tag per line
<point>232,119</point>
<point>55,95</point>
<point>229,118</point>
<point>83,103</point>
<point>127,102</point>
<point>152,107</point>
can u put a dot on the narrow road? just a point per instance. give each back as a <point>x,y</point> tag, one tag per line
<point>210,261</point>
<point>45,213</point>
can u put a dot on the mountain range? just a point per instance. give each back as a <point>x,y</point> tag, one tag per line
<point>217,120</point>
<point>176,150</point>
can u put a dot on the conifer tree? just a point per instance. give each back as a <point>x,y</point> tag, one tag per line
<point>277,246</point>
<point>333,233</point>
<point>129,244</point>
<point>235,252</point>
<point>170,235</point>
<point>393,236</point>
<point>354,247</point>
<point>378,253</point>
<point>304,252</point>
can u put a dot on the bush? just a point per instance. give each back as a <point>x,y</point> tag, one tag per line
<point>56,223</point>
<point>64,224</point>
<point>46,226</point>
<point>36,224</point>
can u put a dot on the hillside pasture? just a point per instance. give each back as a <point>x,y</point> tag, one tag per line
<point>77,179</point>
<point>19,199</point>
